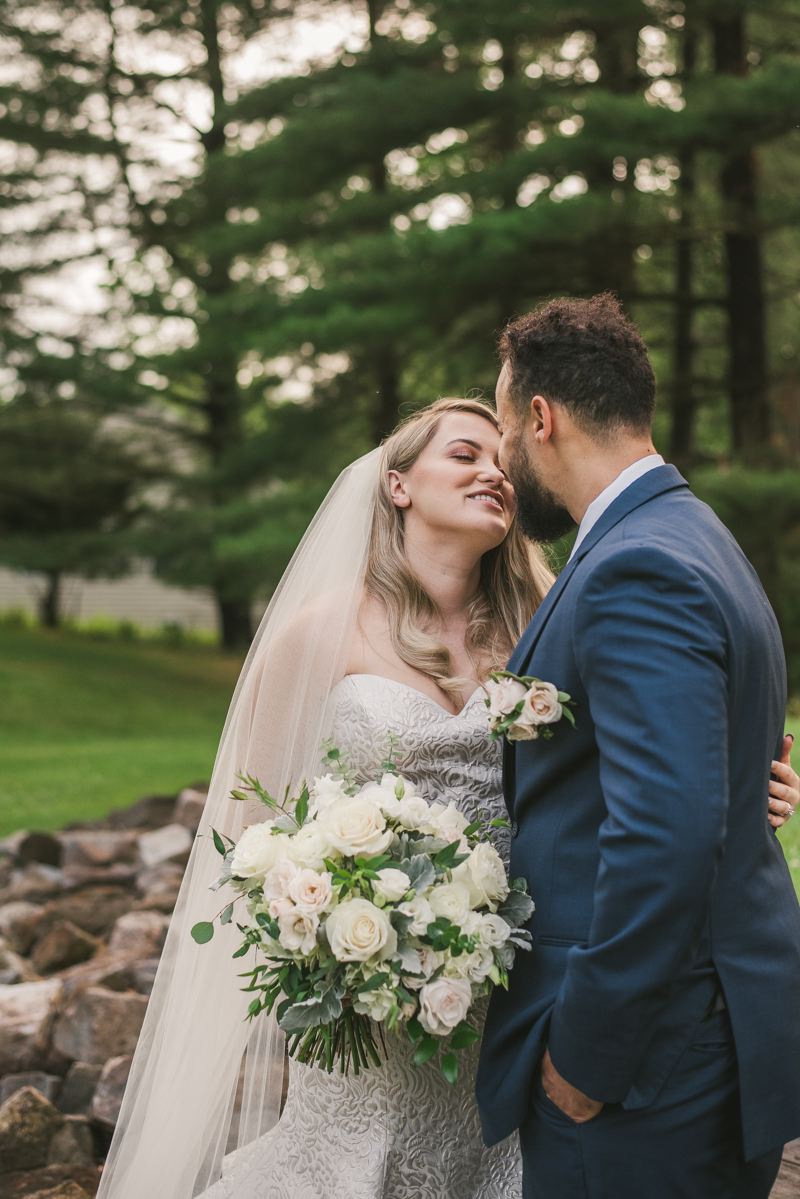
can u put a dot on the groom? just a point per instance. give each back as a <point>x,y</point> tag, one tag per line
<point>649,1045</point>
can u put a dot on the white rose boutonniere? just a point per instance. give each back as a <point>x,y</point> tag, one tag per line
<point>522,708</point>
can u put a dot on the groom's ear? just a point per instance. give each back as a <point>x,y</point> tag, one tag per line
<point>541,420</point>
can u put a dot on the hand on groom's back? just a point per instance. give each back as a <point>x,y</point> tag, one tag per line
<point>568,1099</point>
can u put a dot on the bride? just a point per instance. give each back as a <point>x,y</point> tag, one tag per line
<point>411,585</point>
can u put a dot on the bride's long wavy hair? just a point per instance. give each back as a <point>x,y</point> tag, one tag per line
<point>513,581</point>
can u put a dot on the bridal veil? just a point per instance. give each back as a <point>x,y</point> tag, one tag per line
<point>196,1050</point>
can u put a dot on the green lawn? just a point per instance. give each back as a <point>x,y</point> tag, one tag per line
<point>90,725</point>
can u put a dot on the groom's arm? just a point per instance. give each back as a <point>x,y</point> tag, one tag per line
<point>651,652</point>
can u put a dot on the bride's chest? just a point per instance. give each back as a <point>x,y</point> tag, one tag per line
<point>446,756</point>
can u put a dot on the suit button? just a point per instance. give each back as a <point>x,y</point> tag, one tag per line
<point>514,828</point>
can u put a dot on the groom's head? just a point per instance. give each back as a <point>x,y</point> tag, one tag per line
<point>575,400</point>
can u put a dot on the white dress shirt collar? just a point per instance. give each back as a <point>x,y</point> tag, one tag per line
<point>623,480</point>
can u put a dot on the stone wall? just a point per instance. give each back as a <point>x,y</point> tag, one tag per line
<point>83,918</point>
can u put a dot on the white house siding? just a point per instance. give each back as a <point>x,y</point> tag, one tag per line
<point>138,597</point>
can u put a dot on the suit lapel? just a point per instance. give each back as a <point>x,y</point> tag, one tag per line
<point>655,482</point>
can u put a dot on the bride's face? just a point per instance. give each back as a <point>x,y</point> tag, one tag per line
<point>456,486</point>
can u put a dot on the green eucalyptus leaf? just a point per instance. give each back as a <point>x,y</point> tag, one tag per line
<point>203,932</point>
<point>226,915</point>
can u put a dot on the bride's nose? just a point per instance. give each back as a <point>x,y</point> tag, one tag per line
<point>491,474</point>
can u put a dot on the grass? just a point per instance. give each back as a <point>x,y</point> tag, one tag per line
<point>88,725</point>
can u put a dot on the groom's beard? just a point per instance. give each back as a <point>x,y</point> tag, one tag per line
<point>540,515</point>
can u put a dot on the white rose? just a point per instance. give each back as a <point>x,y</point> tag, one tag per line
<point>414,812</point>
<point>450,900</point>
<point>276,882</point>
<point>310,847</point>
<point>257,851</point>
<point>444,1004</point>
<point>492,932</point>
<point>541,706</point>
<point>393,884</point>
<point>448,818</point>
<point>421,913</point>
<point>298,931</point>
<point>325,792</point>
<point>279,907</point>
<point>356,828</point>
<point>311,891</point>
<point>504,696</point>
<point>484,875</point>
<point>473,966</point>
<point>357,930</point>
<point>429,960</point>
<point>385,793</point>
<point>375,1004</point>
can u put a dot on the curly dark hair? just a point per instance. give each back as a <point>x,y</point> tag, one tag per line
<point>587,356</point>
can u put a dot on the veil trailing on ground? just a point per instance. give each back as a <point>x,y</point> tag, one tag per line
<point>196,1050</point>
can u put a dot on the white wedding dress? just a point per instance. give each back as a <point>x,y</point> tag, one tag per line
<point>397,1132</point>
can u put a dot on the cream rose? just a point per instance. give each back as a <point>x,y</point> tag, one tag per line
<point>473,966</point>
<point>311,891</point>
<point>389,794</point>
<point>492,932</point>
<point>414,812</point>
<point>258,850</point>
<point>357,930</point>
<point>277,880</point>
<point>450,900</point>
<point>421,913</point>
<point>279,907</point>
<point>444,1004</point>
<point>392,884</point>
<point>325,792</point>
<point>541,705</point>
<point>298,931</point>
<point>484,875</point>
<point>504,696</point>
<point>356,828</point>
<point>310,847</point>
<point>375,1004</point>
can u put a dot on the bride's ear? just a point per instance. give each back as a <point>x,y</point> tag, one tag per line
<point>398,490</point>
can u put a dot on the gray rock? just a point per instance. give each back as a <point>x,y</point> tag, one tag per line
<point>28,1123</point>
<point>98,1024</point>
<point>94,909</point>
<point>27,1011</point>
<point>152,811</point>
<point>189,807</point>
<point>47,1180</point>
<point>160,887</point>
<point>77,1090</point>
<point>14,968</point>
<point>171,843</point>
<point>65,945</point>
<point>48,1085</point>
<point>34,883</point>
<point>20,923</point>
<point>97,848</point>
<point>72,1145</point>
<point>40,847</point>
<point>110,1089</point>
<point>139,935</point>
<point>143,975</point>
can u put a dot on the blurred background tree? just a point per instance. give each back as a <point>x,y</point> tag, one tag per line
<point>293,247</point>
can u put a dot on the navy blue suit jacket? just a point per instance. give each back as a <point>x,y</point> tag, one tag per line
<point>643,832</point>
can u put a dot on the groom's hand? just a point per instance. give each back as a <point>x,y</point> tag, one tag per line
<point>568,1099</point>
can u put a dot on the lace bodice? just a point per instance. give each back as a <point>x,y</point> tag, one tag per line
<point>446,756</point>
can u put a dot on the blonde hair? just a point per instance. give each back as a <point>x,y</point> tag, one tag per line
<point>514,576</point>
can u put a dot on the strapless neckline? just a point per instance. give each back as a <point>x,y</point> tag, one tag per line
<point>416,691</point>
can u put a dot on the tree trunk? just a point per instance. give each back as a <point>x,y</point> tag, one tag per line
<point>49,614</point>
<point>747,336</point>
<point>684,401</point>
<point>236,624</point>
<point>388,401</point>
<point>609,258</point>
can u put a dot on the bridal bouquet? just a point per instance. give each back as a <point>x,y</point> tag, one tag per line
<point>372,908</point>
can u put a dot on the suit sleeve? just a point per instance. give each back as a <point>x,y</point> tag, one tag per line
<point>651,652</point>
